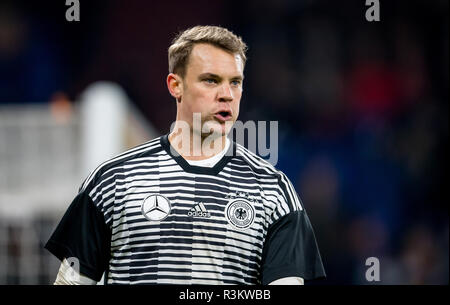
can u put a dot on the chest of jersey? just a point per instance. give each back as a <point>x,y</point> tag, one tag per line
<point>188,228</point>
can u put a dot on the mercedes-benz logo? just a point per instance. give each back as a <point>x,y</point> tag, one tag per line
<point>156,207</point>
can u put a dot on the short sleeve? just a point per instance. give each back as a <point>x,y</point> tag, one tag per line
<point>83,234</point>
<point>290,249</point>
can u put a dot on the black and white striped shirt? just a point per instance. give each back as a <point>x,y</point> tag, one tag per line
<point>149,217</point>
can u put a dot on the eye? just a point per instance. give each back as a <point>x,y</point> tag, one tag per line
<point>210,80</point>
<point>235,82</point>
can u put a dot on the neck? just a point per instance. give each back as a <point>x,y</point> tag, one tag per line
<point>195,146</point>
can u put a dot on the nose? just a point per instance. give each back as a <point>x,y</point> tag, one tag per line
<point>225,94</point>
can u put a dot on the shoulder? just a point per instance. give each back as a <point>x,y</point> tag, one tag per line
<point>258,164</point>
<point>254,161</point>
<point>101,172</point>
<point>262,167</point>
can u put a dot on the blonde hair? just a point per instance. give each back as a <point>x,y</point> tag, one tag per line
<point>182,45</point>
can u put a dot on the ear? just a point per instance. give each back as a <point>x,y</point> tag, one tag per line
<point>175,86</point>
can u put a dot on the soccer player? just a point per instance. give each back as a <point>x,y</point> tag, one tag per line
<point>192,206</point>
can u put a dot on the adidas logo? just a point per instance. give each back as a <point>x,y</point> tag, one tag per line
<point>199,210</point>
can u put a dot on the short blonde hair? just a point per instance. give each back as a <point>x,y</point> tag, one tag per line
<point>182,45</point>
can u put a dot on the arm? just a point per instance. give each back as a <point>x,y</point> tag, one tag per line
<point>82,234</point>
<point>292,280</point>
<point>69,276</point>
<point>290,248</point>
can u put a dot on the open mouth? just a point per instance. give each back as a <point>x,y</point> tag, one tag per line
<point>223,115</point>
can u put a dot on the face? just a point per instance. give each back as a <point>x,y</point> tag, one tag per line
<point>212,86</point>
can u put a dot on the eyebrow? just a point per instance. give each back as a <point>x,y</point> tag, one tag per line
<point>212,75</point>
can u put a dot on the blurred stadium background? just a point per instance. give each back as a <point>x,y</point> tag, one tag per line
<point>362,110</point>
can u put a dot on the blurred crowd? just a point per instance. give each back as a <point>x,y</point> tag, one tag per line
<point>362,106</point>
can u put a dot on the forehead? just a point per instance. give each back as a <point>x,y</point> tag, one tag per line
<point>206,58</point>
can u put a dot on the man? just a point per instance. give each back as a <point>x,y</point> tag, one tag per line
<point>190,207</point>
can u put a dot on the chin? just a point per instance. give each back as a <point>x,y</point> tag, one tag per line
<point>216,130</point>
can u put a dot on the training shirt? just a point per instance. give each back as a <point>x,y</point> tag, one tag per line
<point>149,217</point>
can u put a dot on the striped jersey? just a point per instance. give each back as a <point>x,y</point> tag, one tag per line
<point>149,217</point>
